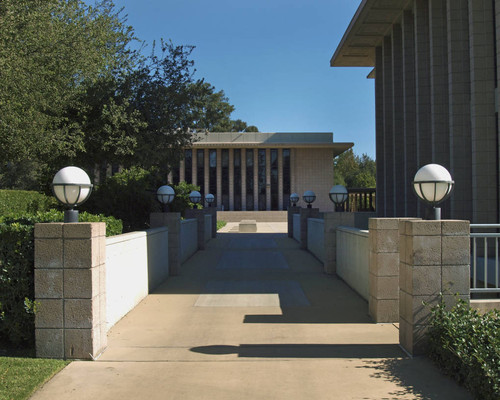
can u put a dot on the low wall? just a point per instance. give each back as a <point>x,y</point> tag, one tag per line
<point>353,258</point>
<point>258,216</point>
<point>316,237</point>
<point>189,238</point>
<point>208,228</point>
<point>296,227</point>
<point>136,262</point>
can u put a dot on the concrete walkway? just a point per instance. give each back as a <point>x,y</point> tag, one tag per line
<point>252,317</point>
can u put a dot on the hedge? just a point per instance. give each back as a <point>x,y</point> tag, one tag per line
<point>17,306</point>
<point>466,345</point>
<point>21,201</point>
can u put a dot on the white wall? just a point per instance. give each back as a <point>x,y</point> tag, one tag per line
<point>208,227</point>
<point>189,238</point>
<point>136,262</point>
<point>296,227</point>
<point>353,258</point>
<point>316,237</point>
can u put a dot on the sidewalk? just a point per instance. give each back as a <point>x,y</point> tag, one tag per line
<point>252,317</point>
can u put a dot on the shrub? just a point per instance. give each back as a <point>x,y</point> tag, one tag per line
<point>466,345</point>
<point>20,201</point>
<point>17,307</point>
<point>181,200</point>
<point>221,224</point>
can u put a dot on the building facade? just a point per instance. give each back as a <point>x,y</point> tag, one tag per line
<point>436,79</point>
<point>258,171</point>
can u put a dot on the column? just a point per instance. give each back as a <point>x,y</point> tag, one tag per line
<point>398,120</point>
<point>268,179</point>
<point>410,133</point>
<point>182,176</point>
<point>199,215</point>
<point>423,82</point>
<point>243,179</point>
<point>331,221</point>
<point>379,135</point>
<point>459,108</point>
<point>194,174</point>
<point>483,119</point>
<point>290,213</point>
<point>280,179</point>
<point>70,287</point>
<point>434,259</point>
<point>231,180</point>
<point>219,179</point>
<point>390,172</point>
<point>306,213</point>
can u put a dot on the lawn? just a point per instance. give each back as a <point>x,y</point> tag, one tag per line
<point>20,377</point>
<point>221,224</point>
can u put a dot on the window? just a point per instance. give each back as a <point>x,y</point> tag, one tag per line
<point>237,179</point>
<point>286,179</point>
<point>274,180</point>
<point>249,179</point>
<point>225,178</point>
<point>200,170</point>
<point>262,179</point>
<point>212,158</point>
<point>188,166</point>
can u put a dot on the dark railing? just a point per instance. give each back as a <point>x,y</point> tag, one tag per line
<point>360,199</point>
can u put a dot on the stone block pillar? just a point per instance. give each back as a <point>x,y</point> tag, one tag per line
<point>434,259</point>
<point>70,287</point>
<point>199,215</point>
<point>173,222</point>
<point>383,302</point>
<point>332,221</point>
<point>306,213</point>
<point>213,211</point>
<point>291,211</point>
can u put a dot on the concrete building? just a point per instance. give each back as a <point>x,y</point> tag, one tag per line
<point>436,78</point>
<point>258,171</point>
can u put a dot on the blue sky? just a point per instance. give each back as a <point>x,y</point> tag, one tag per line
<point>271,58</point>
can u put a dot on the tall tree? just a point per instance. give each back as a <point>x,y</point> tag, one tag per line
<point>354,171</point>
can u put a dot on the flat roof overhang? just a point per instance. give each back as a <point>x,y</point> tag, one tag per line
<point>338,148</point>
<point>373,20</point>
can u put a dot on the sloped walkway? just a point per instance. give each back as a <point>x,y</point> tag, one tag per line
<point>252,317</point>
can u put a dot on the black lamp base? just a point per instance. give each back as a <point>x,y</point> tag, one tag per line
<point>70,216</point>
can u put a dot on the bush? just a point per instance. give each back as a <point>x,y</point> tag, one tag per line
<point>466,346</point>
<point>13,202</point>
<point>181,200</point>
<point>17,307</point>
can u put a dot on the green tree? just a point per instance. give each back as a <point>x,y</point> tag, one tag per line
<point>354,171</point>
<point>49,50</point>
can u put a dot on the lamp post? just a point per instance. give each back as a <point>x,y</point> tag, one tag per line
<point>309,196</point>
<point>338,195</point>
<point>194,197</point>
<point>72,187</point>
<point>165,195</point>
<point>433,184</point>
<point>294,198</point>
<point>209,198</point>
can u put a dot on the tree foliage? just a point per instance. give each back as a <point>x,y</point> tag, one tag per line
<point>354,171</point>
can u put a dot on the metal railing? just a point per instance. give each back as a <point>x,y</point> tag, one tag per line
<point>485,270</point>
<point>359,199</point>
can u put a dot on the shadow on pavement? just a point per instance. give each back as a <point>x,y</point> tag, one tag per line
<point>305,350</point>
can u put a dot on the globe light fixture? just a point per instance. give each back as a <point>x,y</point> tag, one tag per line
<point>433,184</point>
<point>294,198</point>
<point>338,195</point>
<point>309,196</point>
<point>194,197</point>
<point>165,195</point>
<point>209,198</point>
<point>72,187</point>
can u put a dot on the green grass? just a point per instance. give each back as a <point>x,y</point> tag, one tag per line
<point>221,224</point>
<point>20,377</point>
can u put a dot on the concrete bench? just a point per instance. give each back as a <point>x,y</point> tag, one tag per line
<point>248,225</point>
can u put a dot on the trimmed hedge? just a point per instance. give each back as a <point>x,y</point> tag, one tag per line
<point>466,345</point>
<point>17,307</point>
<point>21,201</point>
